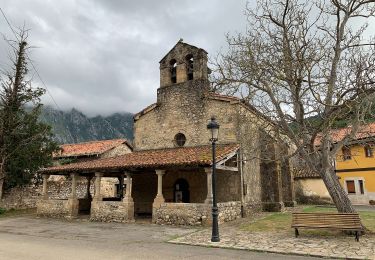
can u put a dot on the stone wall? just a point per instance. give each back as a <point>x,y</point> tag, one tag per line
<point>118,150</point>
<point>184,108</point>
<point>190,214</point>
<point>229,211</point>
<point>59,188</point>
<point>21,197</point>
<point>109,211</point>
<point>228,186</point>
<point>195,214</point>
<point>53,208</point>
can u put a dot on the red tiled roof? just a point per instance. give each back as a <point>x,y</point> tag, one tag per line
<point>182,156</point>
<point>305,174</point>
<point>366,131</point>
<point>89,148</point>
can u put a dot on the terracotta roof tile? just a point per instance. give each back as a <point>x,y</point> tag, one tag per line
<point>305,174</point>
<point>184,156</point>
<point>366,131</point>
<point>89,148</point>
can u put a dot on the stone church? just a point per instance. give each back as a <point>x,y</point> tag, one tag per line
<point>168,174</point>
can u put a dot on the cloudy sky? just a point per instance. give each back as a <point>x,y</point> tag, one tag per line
<point>101,56</point>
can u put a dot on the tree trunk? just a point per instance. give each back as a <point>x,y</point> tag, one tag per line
<point>338,194</point>
<point>2,178</point>
<point>1,187</point>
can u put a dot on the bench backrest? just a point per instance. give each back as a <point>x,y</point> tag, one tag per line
<point>349,221</point>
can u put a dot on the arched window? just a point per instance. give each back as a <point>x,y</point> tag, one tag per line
<point>173,64</point>
<point>180,139</point>
<point>190,67</point>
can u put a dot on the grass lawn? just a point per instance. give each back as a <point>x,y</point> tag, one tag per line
<point>15,212</point>
<point>281,221</point>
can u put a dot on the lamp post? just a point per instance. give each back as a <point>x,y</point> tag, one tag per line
<point>213,126</point>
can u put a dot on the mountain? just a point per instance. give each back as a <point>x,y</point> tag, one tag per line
<point>74,127</point>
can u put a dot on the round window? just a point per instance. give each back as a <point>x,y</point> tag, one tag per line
<point>180,139</point>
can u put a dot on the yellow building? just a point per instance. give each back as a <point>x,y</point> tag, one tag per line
<point>355,166</point>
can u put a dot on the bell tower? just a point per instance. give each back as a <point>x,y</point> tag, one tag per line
<point>183,63</point>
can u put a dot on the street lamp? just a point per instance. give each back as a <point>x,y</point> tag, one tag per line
<point>213,126</point>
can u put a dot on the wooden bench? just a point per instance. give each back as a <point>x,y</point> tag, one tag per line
<point>336,221</point>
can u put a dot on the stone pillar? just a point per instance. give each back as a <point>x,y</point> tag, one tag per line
<point>73,203</point>
<point>209,185</point>
<point>270,172</point>
<point>98,179</point>
<point>287,183</point>
<point>121,186</point>
<point>45,187</point>
<point>159,199</point>
<point>128,199</point>
<point>88,194</point>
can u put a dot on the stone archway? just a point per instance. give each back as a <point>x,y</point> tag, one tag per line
<point>181,191</point>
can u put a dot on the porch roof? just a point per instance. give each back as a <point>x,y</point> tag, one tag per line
<point>182,156</point>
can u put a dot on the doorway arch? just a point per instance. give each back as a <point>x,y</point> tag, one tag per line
<point>181,191</point>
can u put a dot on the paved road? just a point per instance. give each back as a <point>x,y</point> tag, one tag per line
<point>32,238</point>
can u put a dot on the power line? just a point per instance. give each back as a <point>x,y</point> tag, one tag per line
<point>10,26</point>
<point>41,80</point>
<point>31,62</point>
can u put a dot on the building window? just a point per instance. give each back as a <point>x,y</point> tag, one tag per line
<point>350,187</point>
<point>173,64</point>
<point>361,187</point>
<point>346,153</point>
<point>190,67</point>
<point>180,139</point>
<point>368,151</point>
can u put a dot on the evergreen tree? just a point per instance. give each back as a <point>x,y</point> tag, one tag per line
<point>25,143</point>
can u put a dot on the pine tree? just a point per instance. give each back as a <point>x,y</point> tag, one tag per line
<point>25,143</point>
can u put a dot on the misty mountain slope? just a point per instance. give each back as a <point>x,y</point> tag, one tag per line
<point>74,127</point>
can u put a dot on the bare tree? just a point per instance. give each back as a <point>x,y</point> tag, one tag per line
<point>305,65</point>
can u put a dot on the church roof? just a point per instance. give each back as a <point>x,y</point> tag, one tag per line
<point>89,148</point>
<point>158,158</point>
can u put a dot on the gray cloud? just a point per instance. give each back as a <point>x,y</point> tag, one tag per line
<point>102,56</point>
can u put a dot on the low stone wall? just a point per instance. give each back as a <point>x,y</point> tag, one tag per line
<point>191,214</point>
<point>195,214</point>
<point>251,208</point>
<point>21,197</point>
<point>229,211</point>
<point>53,208</point>
<point>110,211</point>
<point>59,188</point>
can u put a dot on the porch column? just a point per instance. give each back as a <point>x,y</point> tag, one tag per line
<point>159,199</point>
<point>73,194</point>
<point>128,199</point>
<point>209,185</point>
<point>160,174</point>
<point>98,179</point>
<point>121,186</point>
<point>45,186</point>
<point>73,203</point>
<point>128,194</point>
<point>88,194</point>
